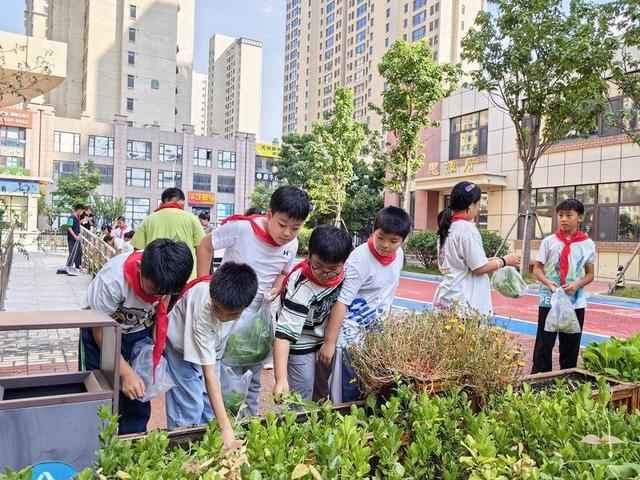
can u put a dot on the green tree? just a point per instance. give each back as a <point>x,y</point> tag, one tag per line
<point>73,189</point>
<point>365,195</point>
<point>295,167</point>
<point>261,197</point>
<point>540,63</point>
<point>415,82</point>
<point>337,144</point>
<point>107,210</point>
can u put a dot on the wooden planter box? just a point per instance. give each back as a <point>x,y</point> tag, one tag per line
<point>622,394</point>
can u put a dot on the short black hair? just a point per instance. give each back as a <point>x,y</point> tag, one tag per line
<point>331,244</point>
<point>78,206</point>
<point>121,218</point>
<point>393,220</point>
<point>167,264</point>
<point>172,194</point>
<point>571,204</point>
<point>129,234</point>
<point>234,286</point>
<point>253,211</point>
<point>292,201</point>
<point>107,238</point>
<point>204,216</point>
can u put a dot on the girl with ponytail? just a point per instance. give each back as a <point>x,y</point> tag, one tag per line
<point>461,257</point>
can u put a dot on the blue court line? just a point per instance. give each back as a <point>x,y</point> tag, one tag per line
<point>593,299</point>
<point>510,324</point>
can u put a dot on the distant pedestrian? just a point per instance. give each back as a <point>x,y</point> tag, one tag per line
<point>87,220</point>
<point>205,221</point>
<point>121,228</point>
<point>170,220</point>
<point>74,261</point>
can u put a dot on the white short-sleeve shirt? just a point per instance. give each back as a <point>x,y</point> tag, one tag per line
<point>368,290</point>
<point>194,330</point>
<point>242,245</point>
<point>461,254</point>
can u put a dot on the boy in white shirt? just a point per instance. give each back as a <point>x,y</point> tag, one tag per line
<point>372,276</point>
<point>121,228</point>
<point>310,292</point>
<point>199,326</point>
<point>268,243</point>
<point>134,289</point>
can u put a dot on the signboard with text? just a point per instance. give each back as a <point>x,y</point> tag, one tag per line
<point>201,198</point>
<point>11,117</point>
<point>451,167</point>
<point>268,150</point>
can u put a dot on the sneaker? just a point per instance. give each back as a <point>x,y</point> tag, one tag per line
<point>74,272</point>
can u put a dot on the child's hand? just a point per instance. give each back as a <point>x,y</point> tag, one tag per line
<point>512,259</point>
<point>132,385</point>
<point>230,441</point>
<point>326,353</point>
<point>570,288</point>
<point>552,286</point>
<point>273,293</point>
<point>281,387</point>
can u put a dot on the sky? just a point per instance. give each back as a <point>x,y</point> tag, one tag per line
<point>262,20</point>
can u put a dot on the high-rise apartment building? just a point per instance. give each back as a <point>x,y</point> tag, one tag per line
<point>131,58</point>
<point>341,42</point>
<point>234,86</point>
<point>199,103</point>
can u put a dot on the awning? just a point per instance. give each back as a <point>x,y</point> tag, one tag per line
<point>440,183</point>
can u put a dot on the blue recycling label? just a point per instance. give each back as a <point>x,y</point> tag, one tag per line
<point>53,471</point>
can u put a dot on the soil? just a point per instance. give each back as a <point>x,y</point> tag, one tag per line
<point>573,381</point>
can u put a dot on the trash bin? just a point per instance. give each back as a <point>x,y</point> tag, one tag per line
<point>54,417</point>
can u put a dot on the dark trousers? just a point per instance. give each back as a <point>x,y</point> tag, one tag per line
<point>134,414</point>
<point>75,253</point>
<point>351,390</point>
<point>545,341</point>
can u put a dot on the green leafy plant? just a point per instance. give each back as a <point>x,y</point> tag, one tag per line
<point>491,241</point>
<point>618,358</point>
<point>424,246</point>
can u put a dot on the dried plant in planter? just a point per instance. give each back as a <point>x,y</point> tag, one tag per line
<point>439,349</point>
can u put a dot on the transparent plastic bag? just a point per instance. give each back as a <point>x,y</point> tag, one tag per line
<point>142,363</point>
<point>235,388</point>
<point>251,339</point>
<point>562,317</point>
<point>507,281</point>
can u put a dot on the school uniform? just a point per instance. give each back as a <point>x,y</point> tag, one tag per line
<point>111,293</point>
<point>245,240</point>
<point>461,254</point>
<point>580,254</point>
<point>302,321</point>
<point>368,290</point>
<point>195,338</point>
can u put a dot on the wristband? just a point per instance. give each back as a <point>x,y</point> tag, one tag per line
<point>503,261</point>
<point>497,263</point>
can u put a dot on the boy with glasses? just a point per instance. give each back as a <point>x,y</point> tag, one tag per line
<point>309,293</point>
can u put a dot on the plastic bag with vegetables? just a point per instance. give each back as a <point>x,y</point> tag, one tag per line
<point>251,340</point>
<point>562,317</point>
<point>508,282</point>
<point>235,388</point>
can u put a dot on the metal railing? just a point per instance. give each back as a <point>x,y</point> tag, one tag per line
<point>6,258</point>
<point>52,241</point>
<point>95,253</point>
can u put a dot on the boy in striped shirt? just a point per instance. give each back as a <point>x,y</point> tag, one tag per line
<point>310,291</point>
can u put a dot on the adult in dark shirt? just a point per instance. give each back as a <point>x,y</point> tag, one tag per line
<point>73,241</point>
<point>87,220</point>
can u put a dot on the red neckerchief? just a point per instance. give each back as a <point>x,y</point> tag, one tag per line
<point>457,218</point>
<point>383,259</point>
<point>132,275</point>
<point>193,283</point>
<point>257,228</point>
<point>169,205</point>
<point>308,272</point>
<point>578,236</point>
<point>119,232</point>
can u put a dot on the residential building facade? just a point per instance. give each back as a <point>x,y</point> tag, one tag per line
<point>132,58</point>
<point>330,43</point>
<point>476,142</point>
<point>199,103</point>
<point>234,86</point>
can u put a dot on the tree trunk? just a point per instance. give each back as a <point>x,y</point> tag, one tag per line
<point>338,218</point>
<point>406,194</point>
<point>526,208</point>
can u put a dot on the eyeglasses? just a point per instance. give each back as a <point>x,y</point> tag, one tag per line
<point>326,273</point>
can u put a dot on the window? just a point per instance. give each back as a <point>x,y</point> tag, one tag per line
<point>331,7</point>
<point>226,159</point>
<point>468,136</point>
<point>226,184</point>
<point>360,49</point>
<point>133,11</point>
<point>137,150</point>
<point>130,81</point>
<point>330,30</point>
<point>131,58</point>
<point>361,10</point>
<point>132,34</point>
<point>202,157</point>
<point>138,177</point>
<point>66,142</point>
<point>419,4</point>
<point>129,104</point>
<point>224,210</point>
<point>418,34</point>
<point>360,36</point>
<point>170,153</point>
<point>155,85</point>
<point>419,18</point>
<point>101,146</point>
<point>202,182</point>
<point>106,173</point>
<point>168,178</point>
<point>62,169</point>
<point>608,123</point>
<point>135,210</point>
<point>361,23</point>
